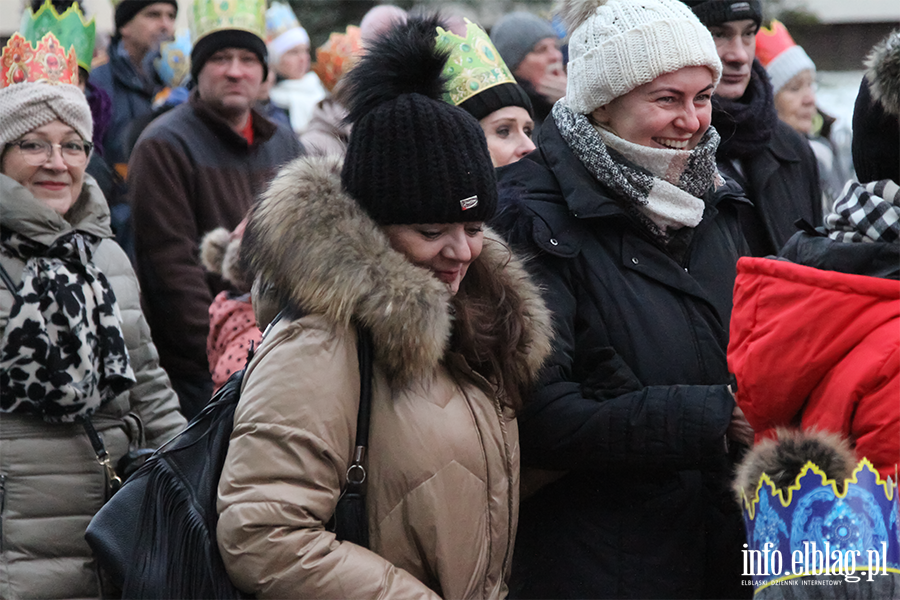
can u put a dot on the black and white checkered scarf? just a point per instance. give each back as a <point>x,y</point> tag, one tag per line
<point>866,213</point>
<point>663,189</point>
<point>63,353</point>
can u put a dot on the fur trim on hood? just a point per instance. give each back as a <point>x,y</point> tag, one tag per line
<point>883,72</point>
<point>783,459</point>
<point>319,249</point>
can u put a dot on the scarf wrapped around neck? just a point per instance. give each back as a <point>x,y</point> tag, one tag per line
<point>63,353</point>
<point>746,124</point>
<point>866,213</point>
<point>663,189</point>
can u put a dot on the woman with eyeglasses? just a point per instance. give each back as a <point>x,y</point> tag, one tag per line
<point>80,382</point>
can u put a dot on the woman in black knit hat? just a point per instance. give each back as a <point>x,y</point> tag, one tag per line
<point>393,241</point>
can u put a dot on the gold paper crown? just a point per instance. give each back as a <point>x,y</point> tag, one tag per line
<point>337,56</point>
<point>71,28</point>
<point>474,64</point>
<point>45,62</point>
<point>209,16</point>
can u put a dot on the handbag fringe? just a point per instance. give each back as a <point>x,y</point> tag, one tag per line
<point>159,560</point>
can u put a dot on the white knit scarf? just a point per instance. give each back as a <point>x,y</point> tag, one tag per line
<point>662,188</point>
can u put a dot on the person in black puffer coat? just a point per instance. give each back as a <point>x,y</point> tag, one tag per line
<point>635,237</point>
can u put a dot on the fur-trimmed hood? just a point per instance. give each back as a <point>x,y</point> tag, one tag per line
<point>883,72</point>
<point>783,458</point>
<point>317,248</point>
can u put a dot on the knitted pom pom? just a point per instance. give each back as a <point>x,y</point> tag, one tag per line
<point>784,458</point>
<point>212,249</point>
<point>403,60</point>
<point>575,12</point>
<point>883,64</point>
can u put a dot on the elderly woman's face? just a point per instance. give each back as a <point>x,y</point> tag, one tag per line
<point>673,111</point>
<point>57,179</point>
<point>445,249</point>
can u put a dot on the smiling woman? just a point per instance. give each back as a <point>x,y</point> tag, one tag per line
<point>635,237</point>
<point>393,240</point>
<point>75,350</point>
<point>50,162</point>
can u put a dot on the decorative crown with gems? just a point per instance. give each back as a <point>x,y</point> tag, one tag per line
<point>850,525</point>
<point>474,64</point>
<point>71,28</point>
<point>45,62</point>
<point>209,16</point>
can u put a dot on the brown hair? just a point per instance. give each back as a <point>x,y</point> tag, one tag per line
<point>489,332</point>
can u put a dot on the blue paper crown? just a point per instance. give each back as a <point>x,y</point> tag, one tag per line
<point>811,528</point>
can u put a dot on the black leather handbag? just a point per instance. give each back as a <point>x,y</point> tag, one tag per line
<point>156,538</point>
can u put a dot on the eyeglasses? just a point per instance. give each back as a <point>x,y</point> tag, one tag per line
<point>38,152</point>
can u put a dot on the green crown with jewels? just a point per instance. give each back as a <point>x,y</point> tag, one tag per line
<point>70,28</point>
<point>474,64</point>
<point>209,16</point>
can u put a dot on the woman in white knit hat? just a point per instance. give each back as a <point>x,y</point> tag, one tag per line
<point>79,375</point>
<point>635,237</point>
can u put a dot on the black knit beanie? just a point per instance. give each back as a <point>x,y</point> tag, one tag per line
<point>494,98</point>
<point>227,38</point>
<point>876,132</point>
<point>413,158</point>
<point>716,12</point>
<point>126,9</point>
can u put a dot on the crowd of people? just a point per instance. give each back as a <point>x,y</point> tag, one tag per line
<point>599,258</point>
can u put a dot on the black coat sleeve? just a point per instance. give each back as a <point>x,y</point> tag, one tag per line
<point>601,417</point>
<point>589,410</point>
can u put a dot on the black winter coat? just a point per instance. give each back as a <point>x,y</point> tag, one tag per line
<point>633,404</point>
<point>782,181</point>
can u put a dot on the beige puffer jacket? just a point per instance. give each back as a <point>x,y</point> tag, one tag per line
<point>50,481</point>
<point>443,460</point>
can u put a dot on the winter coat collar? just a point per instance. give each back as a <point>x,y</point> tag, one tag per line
<point>125,73</point>
<point>30,217</point>
<point>263,129</point>
<point>318,248</point>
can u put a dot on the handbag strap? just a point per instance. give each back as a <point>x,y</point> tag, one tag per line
<point>113,480</point>
<point>356,472</point>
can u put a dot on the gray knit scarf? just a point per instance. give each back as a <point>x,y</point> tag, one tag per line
<point>866,213</point>
<point>663,189</point>
<point>63,353</point>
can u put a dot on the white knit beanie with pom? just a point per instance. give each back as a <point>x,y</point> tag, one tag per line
<point>618,45</point>
<point>27,106</point>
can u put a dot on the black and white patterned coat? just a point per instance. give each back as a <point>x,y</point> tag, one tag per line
<point>50,482</point>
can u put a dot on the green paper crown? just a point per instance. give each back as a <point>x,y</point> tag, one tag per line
<point>474,64</point>
<point>71,29</point>
<point>215,15</point>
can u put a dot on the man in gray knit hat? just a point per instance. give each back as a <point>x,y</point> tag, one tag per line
<point>528,46</point>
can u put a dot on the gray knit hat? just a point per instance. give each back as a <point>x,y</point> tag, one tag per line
<point>516,34</point>
<point>27,106</point>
